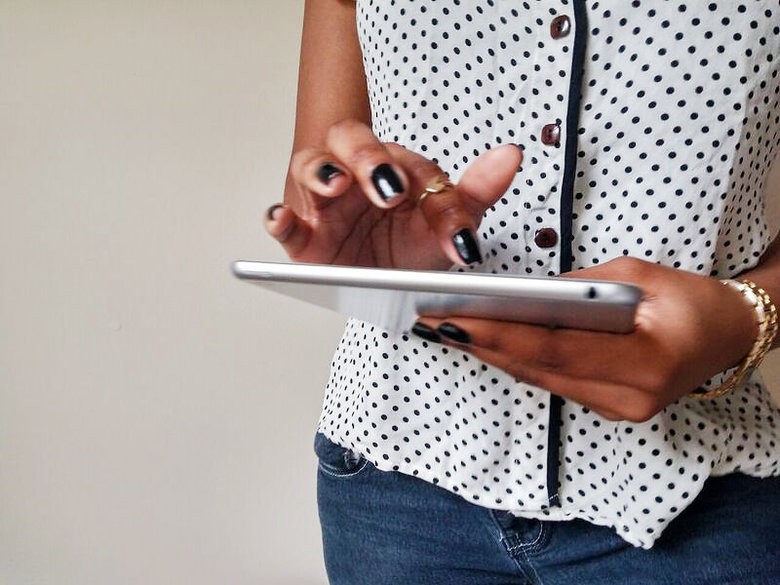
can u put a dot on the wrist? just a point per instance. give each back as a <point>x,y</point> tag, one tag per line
<point>765,327</point>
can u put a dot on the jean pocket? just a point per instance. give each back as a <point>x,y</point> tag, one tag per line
<point>338,461</point>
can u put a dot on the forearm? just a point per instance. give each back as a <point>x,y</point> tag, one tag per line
<point>331,82</point>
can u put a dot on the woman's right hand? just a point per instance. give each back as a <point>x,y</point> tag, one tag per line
<point>358,202</point>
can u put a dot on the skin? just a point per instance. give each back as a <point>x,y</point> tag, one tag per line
<point>688,327</point>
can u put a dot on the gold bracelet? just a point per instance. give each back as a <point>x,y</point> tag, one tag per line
<point>766,317</point>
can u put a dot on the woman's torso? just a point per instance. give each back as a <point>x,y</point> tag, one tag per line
<point>648,130</point>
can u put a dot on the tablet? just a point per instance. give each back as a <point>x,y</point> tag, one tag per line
<point>393,299</point>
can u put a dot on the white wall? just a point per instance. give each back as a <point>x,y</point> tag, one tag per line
<point>156,417</point>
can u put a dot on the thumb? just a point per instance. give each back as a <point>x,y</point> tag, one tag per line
<point>489,176</point>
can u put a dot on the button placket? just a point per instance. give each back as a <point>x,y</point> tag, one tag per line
<point>545,238</point>
<point>550,135</point>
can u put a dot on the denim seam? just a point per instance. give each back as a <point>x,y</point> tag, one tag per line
<point>328,471</point>
<point>528,563</point>
<point>525,549</point>
<point>513,549</point>
<point>527,546</point>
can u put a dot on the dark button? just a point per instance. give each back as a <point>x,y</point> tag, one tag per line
<point>551,134</point>
<point>546,238</point>
<point>560,27</point>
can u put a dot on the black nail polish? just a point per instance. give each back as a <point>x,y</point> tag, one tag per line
<point>422,330</point>
<point>454,333</point>
<point>467,247</point>
<point>271,210</point>
<point>327,171</point>
<point>387,182</point>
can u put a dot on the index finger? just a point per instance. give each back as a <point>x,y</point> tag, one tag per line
<point>379,176</point>
<point>447,215</point>
<point>453,212</point>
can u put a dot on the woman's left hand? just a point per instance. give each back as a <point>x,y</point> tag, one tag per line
<point>688,328</point>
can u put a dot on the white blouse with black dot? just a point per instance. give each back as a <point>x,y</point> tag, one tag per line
<point>649,128</point>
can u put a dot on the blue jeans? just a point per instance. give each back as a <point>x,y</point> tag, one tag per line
<point>382,528</point>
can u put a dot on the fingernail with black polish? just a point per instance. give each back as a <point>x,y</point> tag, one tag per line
<point>387,182</point>
<point>422,330</point>
<point>327,171</point>
<point>454,333</point>
<point>272,210</point>
<point>467,247</point>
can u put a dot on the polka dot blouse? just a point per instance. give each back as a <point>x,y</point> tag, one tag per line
<point>649,128</point>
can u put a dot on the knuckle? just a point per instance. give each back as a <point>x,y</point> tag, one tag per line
<point>424,168</point>
<point>398,151</point>
<point>659,377</point>
<point>345,127</point>
<point>356,144</point>
<point>549,355</point>
<point>446,213</point>
<point>357,147</point>
<point>499,340</point>
<point>610,415</point>
<point>630,267</point>
<point>525,375</point>
<point>300,160</point>
<point>445,208</point>
<point>641,408</point>
<point>367,155</point>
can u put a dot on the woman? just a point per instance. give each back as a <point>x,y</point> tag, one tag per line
<point>614,140</point>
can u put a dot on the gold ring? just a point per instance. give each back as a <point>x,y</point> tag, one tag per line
<point>434,187</point>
